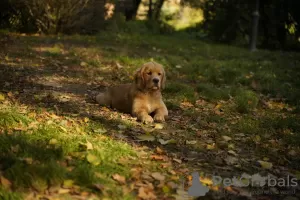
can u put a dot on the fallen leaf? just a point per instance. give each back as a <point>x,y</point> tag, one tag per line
<point>146,193</point>
<point>191,142</point>
<point>164,142</point>
<point>5,182</point>
<point>265,165</point>
<point>89,146</point>
<point>157,157</point>
<point>210,147</point>
<point>166,189</point>
<point>230,160</point>
<point>147,137</point>
<point>99,187</point>
<point>2,97</point>
<point>94,160</point>
<point>177,160</point>
<point>159,150</point>
<point>159,126</point>
<point>28,160</point>
<point>100,130</point>
<point>63,191</point>
<point>158,176</point>
<point>226,138</point>
<point>292,153</point>
<point>122,127</point>
<point>86,119</point>
<point>83,64</point>
<point>53,141</point>
<point>68,183</point>
<point>63,128</point>
<point>206,181</point>
<point>232,152</point>
<point>119,178</point>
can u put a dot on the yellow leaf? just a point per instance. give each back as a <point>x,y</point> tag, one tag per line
<point>206,181</point>
<point>63,191</point>
<point>166,189</point>
<point>265,165</point>
<point>68,183</point>
<point>210,147</point>
<point>94,160</point>
<point>63,128</point>
<point>2,97</point>
<point>53,141</point>
<point>159,126</point>
<point>86,119</point>
<point>89,146</point>
<point>218,106</point>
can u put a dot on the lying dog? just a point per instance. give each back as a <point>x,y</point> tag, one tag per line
<point>142,98</point>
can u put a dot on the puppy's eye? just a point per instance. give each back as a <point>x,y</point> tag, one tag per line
<point>159,74</point>
<point>149,73</point>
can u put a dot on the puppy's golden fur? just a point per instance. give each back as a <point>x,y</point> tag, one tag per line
<point>142,98</point>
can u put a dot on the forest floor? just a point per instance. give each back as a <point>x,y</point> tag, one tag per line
<point>232,114</point>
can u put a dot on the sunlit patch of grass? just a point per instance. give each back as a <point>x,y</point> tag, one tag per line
<point>11,117</point>
<point>52,151</point>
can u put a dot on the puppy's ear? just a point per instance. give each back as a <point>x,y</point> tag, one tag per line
<point>139,78</point>
<point>163,79</point>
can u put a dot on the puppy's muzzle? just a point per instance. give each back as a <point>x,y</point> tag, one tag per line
<point>155,80</point>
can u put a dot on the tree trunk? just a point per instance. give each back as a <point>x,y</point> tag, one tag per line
<point>254,34</point>
<point>131,13</point>
<point>150,10</point>
<point>157,9</point>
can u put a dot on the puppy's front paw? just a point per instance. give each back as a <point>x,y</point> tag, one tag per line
<point>147,119</point>
<point>159,118</point>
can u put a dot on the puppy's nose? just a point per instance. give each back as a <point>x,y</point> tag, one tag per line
<point>155,80</point>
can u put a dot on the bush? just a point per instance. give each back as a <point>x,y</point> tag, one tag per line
<point>52,16</point>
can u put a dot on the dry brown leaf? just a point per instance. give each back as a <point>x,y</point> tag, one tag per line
<point>177,160</point>
<point>146,193</point>
<point>120,179</point>
<point>158,176</point>
<point>158,157</point>
<point>159,150</point>
<point>63,191</point>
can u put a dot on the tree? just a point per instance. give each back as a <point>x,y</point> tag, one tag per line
<point>254,34</point>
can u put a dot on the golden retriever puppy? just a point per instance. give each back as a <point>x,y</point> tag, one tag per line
<point>142,98</point>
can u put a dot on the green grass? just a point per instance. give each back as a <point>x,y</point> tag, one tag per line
<point>41,157</point>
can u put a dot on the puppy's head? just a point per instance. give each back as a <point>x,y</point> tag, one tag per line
<point>151,76</point>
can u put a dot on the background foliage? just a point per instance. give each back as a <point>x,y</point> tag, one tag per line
<point>226,21</point>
